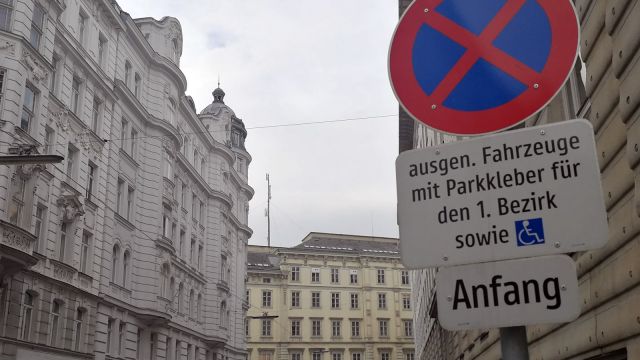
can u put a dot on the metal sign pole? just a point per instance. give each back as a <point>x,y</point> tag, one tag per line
<point>513,341</point>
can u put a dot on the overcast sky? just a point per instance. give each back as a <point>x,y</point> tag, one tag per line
<point>293,61</point>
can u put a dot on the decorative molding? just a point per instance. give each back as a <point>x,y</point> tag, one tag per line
<point>38,71</point>
<point>17,239</point>
<point>61,119</point>
<point>71,207</point>
<point>29,170</point>
<point>62,272</point>
<point>9,46</point>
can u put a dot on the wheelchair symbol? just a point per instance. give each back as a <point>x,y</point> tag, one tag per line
<point>530,232</point>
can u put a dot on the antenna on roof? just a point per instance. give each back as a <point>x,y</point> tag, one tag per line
<point>268,211</point>
<point>218,80</point>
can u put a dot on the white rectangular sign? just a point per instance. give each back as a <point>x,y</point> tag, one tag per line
<point>523,193</point>
<point>519,292</point>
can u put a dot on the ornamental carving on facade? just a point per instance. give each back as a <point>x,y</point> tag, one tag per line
<point>169,146</point>
<point>86,141</point>
<point>9,46</point>
<point>61,119</point>
<point>62,273</point>
<point>16,239</point>
<point>71,207</point>
<point>38,71</point>
<point>29,170</point>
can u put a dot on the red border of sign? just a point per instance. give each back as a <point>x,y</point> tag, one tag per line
<point>563,54</point>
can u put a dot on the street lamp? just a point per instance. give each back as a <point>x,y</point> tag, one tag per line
<point>23,154</point>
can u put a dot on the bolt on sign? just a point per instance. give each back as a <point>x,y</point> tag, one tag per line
<point>529,192</point>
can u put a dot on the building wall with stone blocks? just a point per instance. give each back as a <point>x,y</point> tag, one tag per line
<point>128,248</point>
<point>604,90</point>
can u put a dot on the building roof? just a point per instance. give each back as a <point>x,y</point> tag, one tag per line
<point>339,244</point>
<point>218,105</point>
<point>262,261</point>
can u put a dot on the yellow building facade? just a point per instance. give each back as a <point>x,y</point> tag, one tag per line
<point>332,297</point>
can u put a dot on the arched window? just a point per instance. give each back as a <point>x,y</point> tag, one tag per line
<point>125,267</point>
<point>26,315</point>
<point>223,313</point>
<point>137,85</point>
<point>55,320</point>
<point>180,297</point>
<point>192,303</point>
<point>115,262</point>
<point>164,281</point>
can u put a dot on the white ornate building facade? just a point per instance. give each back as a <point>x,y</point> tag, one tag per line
<point>134,247</point>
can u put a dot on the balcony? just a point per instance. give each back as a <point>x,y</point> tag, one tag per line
<point>16,249</point>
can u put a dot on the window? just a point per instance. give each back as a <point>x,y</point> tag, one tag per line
<point>126,260</point>
<point>37,26</point>
<point>119,195</point>
<point>384,355</point>
<point>54,322</point>
<point>315,299</point>
<point>6,6</point>
<point>171,112</point>
<point>115,262</point>
<point>49,140</point>
<point>199,308</point>
<point>382,301</point>
<point>406,302</point>
<point>192,254</point>
<point>296,356</point>
<point>295,273</point>
<point>122,333</point>
<point>75,95</point>
<point>164,281</point>
<point>202,213</point>
<point>78,329</point>
<point>137,85</point>
<point>53,78</point>
<point>63,241</point>
<point>266,327</point>
<point>95,118</point>
<point>26,315</point>
<point>380,276</point>
<point>355,328</point>
<point>336,356</point>
<point>315,275</point>
<point>405,277</point>
<point>181,244</point>
<point>192,304</point>
<point>39,230</point>
<point>130,199</point>
<point>354,301</point>
<point>175,51</point>
<point>91,177</point>
<point>335,277</point>
<point>102,49</point>
<point>356,356</point>
<point>266,280</point>
<point>336,328</point>
<point>316,325</point>
<point>409,355</point>
<point>178,350</point>
<point>295,327</point>
<point>133,141</point>
<point>408,328</point>
<point>84,251</point>
<point>166,222</point>
<point>266,298</point>
<point>82,26</point>
<point>335,300</point>
<point>199,265</point>
<point>295,299</point>
<point>353,277</point>
<point>246,327</point>
<point>184,196</point>
<point>123,133</point>
<point>28,108</point>
<point>127,73</point>
<point>180,297</point>
<point>316,355</point>
<point>383,327</point>
<point>153,338</point>
<point>72,155</point>
<point>265,355</point>
<point>139,344</point>
<point>194,200</point>
<point>111,323</point>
